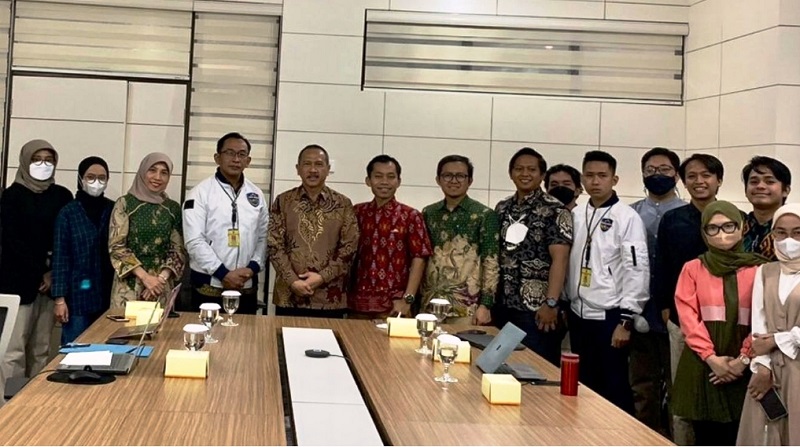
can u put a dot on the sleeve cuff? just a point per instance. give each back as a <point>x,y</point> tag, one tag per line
<point>786,343</point>
<point>253,265</point>
<point>221,272</point>
<point>760,360</point>
<point>487,301</point>
<point>626,315</point>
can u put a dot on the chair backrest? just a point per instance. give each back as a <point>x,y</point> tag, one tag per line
<point>9,306</point>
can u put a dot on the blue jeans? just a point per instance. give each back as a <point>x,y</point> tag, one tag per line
<point>76,325</point>
<point>546,344</point>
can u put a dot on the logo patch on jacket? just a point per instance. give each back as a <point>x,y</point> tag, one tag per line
<point>253,199</point>
<point>605,223</point>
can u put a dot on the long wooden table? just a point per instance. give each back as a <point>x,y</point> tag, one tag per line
<point>241,402</point>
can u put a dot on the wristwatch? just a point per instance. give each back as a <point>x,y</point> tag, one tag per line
<point>409,298</point>
<point>626,324</point>
<point>744,359</point>
<point>551,302</point>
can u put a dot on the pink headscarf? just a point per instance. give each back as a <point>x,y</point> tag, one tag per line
<point>139,188</point>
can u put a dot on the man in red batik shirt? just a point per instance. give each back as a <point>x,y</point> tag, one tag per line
<point>392,247</point>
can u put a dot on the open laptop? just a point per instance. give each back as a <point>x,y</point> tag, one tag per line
<point>139,329</point>
<point>492,359</point>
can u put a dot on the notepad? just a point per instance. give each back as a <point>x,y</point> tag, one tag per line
<point>134,307</point>
<point>114,349</point>
<point>96,358</point>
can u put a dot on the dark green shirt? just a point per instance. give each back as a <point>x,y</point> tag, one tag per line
<point>463,268</point>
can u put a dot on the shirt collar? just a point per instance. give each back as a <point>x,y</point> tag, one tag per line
<point>324,194</point>
<point>461,204</point>
<point>611,201</point>
<point>652,203</point>
<point>531,196</point>
<point>754,223</point>
<point>221,178</point>
<point>388,206</point>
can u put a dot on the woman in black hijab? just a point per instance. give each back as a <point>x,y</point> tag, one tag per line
<point>81,264</point>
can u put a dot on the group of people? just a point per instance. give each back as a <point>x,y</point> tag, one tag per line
<point>630,284</point>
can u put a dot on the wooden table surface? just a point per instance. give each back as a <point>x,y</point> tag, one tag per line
<point>241,401</point>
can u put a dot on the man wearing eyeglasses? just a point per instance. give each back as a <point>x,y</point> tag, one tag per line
<point>649,361</point>
<point>225,229</point>
<point>464,234</point>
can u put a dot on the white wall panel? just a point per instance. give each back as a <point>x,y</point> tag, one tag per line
<point>748,118</point>
<point>447,6</point>
<point>642,126</point>
<point>705,24</point>
<point>142,140</point>
<point>702,123</point>
<point>703,71</point>
<point>330,108</point>
<point>438,115</point>
<point>740,17</point>
<point>171,100</point>
<point>322,59</point>
<point>419,158</point>
<point>337,17</point>
<point>583,9</point>
<point>646,12</point>
<point>69,99</point>
<point>545,121</point>
<point>349,152</point>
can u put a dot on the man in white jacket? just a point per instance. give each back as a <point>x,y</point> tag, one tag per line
<point>608,281</point>
<point>225,229</point>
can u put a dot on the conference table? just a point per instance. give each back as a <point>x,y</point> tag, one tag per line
<point>243,400</point>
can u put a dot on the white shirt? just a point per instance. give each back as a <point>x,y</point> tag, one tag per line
<point>788,342</point>
<point>207,218</point>
<point>618,259</point>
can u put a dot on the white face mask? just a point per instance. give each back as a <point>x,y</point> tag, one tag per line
<point>42,170</point>
<point>789,247</point>
<point>94,188</point>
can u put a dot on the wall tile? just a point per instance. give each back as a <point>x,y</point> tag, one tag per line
<point>170,98</point>
<point>745,61</point>
<point>790,155</point>
<point>702,123</point>
<point>329,108</point>
<point>349,153</point>
<point>702,77</point>
<point>446,6</point>
<point>748,118</point>
<point>419,158</point>
<point>322,59</point>
<point>629,170</point>
<point>788,115</point>
<point>142,140</point>
<point>421,196</point>
<point>554,154</point>
<point>740,17</point>
<point>339,17</point>
<point>545,121</point>
<point>705,24</point>
<point>638,125</point>
<point>444,115</point>
<point>734,159</point>
<point>593,9</point>
<point>646,12</point>
<point>356,192</point>
<point>69,98</point>
<point>790,12</point>
<point>787,63</point>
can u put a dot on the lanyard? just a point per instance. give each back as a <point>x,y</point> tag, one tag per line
<point>590,231</point>
<point>234,211</point>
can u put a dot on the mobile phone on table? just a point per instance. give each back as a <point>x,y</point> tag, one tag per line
<point>118,318</point>
<point>117,341</point>
<point>773,406</point>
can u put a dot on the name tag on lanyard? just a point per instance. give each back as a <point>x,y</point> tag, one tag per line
<point>233,237</point>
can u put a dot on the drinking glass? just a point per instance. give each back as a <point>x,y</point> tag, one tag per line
<point>209,313</point>
<point>448,350</point>
<point>426,323</point>
<point>439,307</point>
<point>194,336</point>
<point>230,302</point>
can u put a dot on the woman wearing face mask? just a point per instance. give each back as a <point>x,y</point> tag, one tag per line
<point>81,266</point>
<point>776,338</point>
<point>146,236</point>
<point>713,298</point>
<point>28,211</point>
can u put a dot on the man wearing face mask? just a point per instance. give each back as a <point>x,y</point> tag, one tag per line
<point>564,183</point>
<point>28,211</point>
<point>649,365</point>
<point>82,272</point>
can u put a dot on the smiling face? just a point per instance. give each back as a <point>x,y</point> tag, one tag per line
<point>383,180</point>
<point>157,178</point>
<point>525,174</point>
<point>763,190</point>
<point>700,182</point>
<point>723,233</point>
<point>454,179</point>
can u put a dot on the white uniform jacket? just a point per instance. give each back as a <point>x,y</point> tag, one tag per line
<point>207,219</point>
<point>616,254</point>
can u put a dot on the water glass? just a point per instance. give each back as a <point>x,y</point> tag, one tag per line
<point>194,336</point>
<point>426,324</point>
<point>230,302</point>
<point>441,308</point>
<point>448,351</point>
<point>209,313</point>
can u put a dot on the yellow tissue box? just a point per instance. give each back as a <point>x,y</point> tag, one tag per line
<point>134,307</point>
<point>501,389</point>
<point>189,364</point>
<point>464,352</point>
<point>142,316</point>
<point>402,327</point>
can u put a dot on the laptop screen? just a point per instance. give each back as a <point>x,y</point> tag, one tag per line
<point>498,350</point>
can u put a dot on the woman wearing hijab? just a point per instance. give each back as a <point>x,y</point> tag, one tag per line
<point>146,241</point>
<point>81,266</point>
<point>28,211</point>
<point>776,338</point>
<point>713,297</point>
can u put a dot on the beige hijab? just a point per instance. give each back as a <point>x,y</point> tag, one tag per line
<point>139,188</point>
<point>788,266</point>
<point>24,172</point>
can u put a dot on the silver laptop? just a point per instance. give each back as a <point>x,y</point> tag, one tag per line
<point>493,358</point>
<point>147,329</point>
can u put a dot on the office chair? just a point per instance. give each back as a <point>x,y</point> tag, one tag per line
<point>9,306</point>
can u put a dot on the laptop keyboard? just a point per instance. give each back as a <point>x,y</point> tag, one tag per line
<point>504,369</point>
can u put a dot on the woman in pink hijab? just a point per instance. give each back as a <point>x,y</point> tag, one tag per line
<point>146,236</point>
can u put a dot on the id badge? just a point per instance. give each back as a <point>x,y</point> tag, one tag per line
<point>233,237</point>
<point>586,277</point>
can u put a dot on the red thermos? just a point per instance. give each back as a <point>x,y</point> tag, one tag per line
<point>569,374</point>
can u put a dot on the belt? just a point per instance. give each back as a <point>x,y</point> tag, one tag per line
<point>209,290</point>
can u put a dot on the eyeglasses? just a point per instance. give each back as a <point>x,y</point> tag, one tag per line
<point>93,177</point>
<point>232,154</point>
<point>727,228</point>
<point>663,170</point>
<point>448,177</point>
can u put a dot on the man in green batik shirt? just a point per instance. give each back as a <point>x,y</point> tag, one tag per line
<point>464,233</point>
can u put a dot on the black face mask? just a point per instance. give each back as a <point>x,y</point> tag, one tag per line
<point>659,184</point>
<point>564,194</point>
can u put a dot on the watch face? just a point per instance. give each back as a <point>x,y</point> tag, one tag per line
<point>551,302</point>
<point>409,298</point>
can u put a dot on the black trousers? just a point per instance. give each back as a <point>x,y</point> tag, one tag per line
<point>248,303</point>
<point>602,367</point>
<point>304,312</point>
<point>546,344</point>
<point>650,379</point>
<point>715,433</point>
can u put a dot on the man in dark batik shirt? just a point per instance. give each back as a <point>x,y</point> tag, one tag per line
<point>767,183</point>
<point>535,239</point>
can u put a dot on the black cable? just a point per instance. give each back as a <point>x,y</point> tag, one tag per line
<point>341,356</point>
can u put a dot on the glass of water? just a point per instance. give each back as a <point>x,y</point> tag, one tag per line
<point>440,307</point>
<point>230,302</point>
<point>426,324</point>
<point>448,350</point>
<point>194,336</point>
<point>209,313</point>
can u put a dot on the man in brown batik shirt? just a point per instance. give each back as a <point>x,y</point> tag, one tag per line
<point>312,239</point>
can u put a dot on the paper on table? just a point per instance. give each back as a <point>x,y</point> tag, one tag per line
<point>97,358</point>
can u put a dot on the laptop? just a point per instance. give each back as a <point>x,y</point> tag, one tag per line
<point>493,358</point>
<point>135,331</point>
<point>480,339</point>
